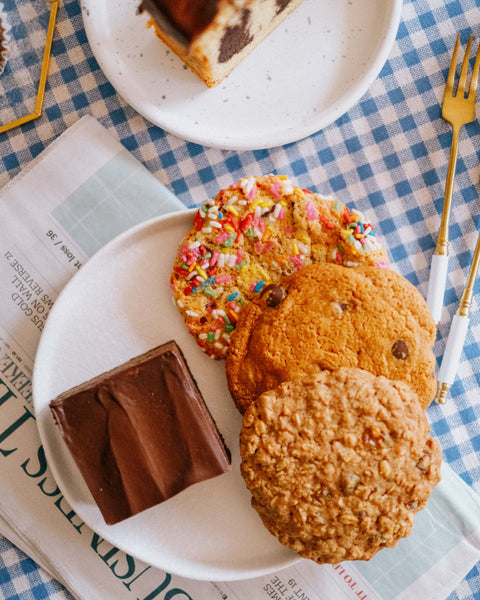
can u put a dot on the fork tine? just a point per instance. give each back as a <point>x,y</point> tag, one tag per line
<point>463,74</point>
<point>451,71</point>
<point>474,80</point>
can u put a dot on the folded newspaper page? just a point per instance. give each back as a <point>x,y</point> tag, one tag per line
<point>80,193</point>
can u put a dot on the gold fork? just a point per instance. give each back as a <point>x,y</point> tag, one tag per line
<point>458,110</point>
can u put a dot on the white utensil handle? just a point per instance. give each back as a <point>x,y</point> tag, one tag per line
<point>436,285</point>
<point>453,350</point>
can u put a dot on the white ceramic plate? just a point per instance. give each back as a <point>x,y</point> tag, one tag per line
<point>312,69</point>
<point>118,306</point>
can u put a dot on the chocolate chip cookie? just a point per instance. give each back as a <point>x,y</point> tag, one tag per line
<point>338,463</point>
<point>252,234</point>
<point>325,317</point>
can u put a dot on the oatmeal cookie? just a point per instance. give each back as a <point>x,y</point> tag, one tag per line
<point>339,463</point>
<point>252,234</point>
<point>325,317</point>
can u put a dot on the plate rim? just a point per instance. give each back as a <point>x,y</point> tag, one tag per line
<point>280,137</point>
<point>209,573</point>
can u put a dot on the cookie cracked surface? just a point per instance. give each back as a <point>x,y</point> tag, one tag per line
<point>325,317</point>
<point>338,463</point>
<point>252,234</point>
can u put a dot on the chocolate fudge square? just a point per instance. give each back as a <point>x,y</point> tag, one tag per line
<point>140,433</point>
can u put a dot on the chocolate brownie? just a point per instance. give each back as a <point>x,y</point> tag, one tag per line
<point>140,433</point>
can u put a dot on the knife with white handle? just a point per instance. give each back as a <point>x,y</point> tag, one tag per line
<point>458,331</point>
<point>436,285</point>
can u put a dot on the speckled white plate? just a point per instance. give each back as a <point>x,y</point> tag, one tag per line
<point>312,69</point>
<point>116,307</point>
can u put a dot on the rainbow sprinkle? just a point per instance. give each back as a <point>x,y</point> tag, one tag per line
<point>249,225</point>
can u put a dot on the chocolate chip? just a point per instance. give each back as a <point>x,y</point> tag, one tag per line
<point>424,462</point>
<point>235,38</point>
<point>274,295</point>
<point>341,307</point>
<point>400,350</point>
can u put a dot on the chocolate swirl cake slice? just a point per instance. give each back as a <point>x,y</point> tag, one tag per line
<point>213,36</point>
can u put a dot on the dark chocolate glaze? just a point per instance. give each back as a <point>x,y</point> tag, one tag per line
<point>235,38</point>
<point>140,433</point>
<point>281,5</point>
<point>185,19</point>
<point>189,17</point>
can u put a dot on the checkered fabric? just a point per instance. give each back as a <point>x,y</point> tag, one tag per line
<point>388,155</point>
<point>28,23</point>
<point>21,579</point>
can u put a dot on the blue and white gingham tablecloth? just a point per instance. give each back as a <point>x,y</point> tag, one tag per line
<point>389,153</point>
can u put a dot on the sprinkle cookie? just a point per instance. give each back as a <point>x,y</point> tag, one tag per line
<point>339,463</point>
<point>252,234</point>
<point>325,317</point>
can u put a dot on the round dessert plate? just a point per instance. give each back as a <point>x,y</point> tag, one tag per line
<point>116,307</point>
<point>313,68</point>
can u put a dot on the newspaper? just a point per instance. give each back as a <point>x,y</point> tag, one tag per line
<point>81,192</point>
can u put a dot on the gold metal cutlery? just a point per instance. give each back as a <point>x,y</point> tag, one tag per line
<point>458,331</point>
<point>458,109</point>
